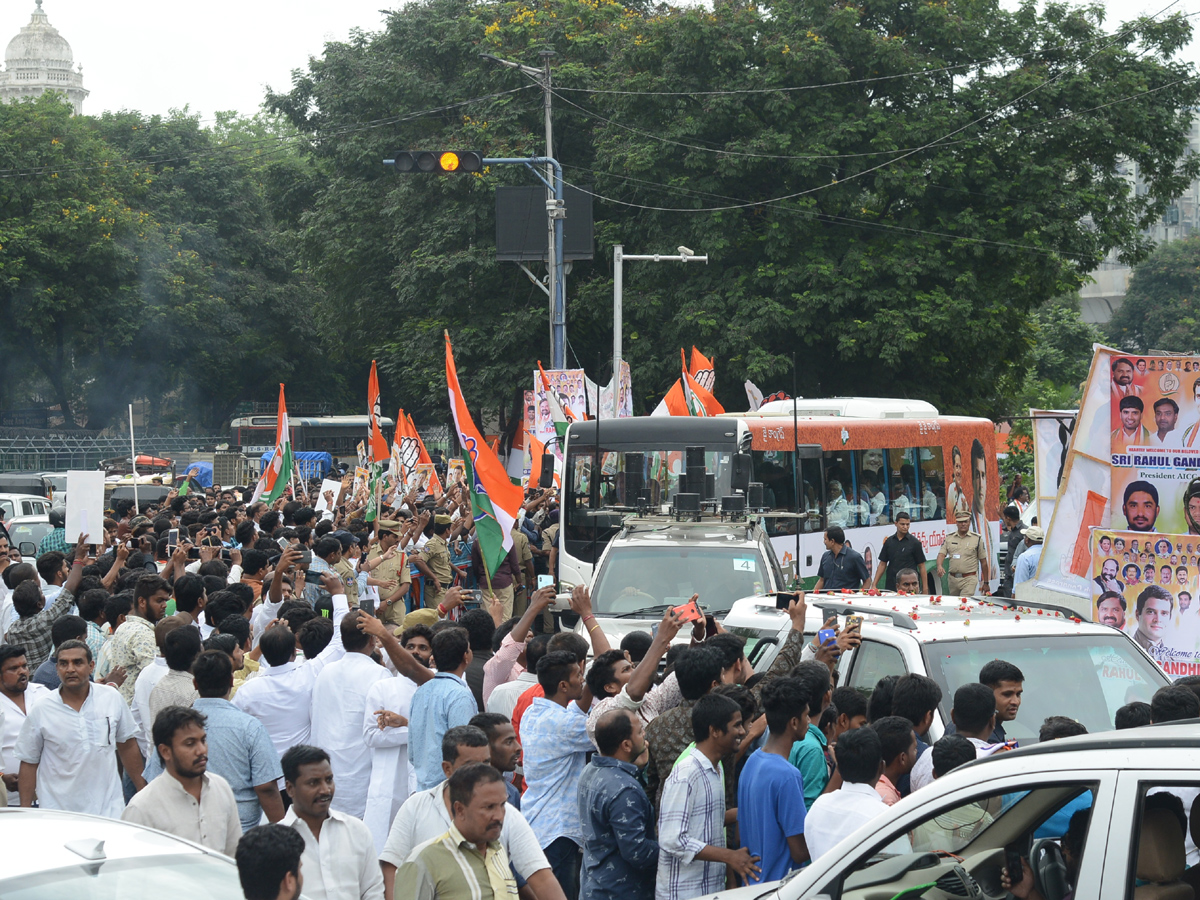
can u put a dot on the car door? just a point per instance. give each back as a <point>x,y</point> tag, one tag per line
<point>1134,786</point>
<point>875,659</point>
<point>833,876</point>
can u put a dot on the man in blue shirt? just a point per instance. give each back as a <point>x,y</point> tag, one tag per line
<point>842,567</point>
<point>771,806</point>
<point>440,704</point>
<point>808,753</point>
<point>620,854</point>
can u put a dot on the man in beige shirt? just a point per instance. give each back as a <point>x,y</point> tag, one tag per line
<point>186,800</point>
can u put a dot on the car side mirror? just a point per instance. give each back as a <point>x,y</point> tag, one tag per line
<point>27,548</point>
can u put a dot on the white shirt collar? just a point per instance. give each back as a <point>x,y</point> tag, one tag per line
<point>279,670</point>
<point>857,787</point>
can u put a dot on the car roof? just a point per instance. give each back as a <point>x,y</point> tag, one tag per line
<point>927,618</point>
<point>7,496</point>
<point>665,530</point>
<point>36,840</point>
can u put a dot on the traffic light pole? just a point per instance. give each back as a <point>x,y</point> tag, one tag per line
<point>554,206</point>
<point>555,212</point>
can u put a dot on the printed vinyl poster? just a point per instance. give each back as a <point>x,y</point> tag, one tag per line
<point>569,386</point>
<point>1154,419</point>
<point>456,471</point>
<point>1051,437</point>
<point>1145,585</point>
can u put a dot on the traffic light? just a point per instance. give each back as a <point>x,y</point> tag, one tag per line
<point>437,162</point>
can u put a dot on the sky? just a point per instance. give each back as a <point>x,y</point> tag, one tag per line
<point>222,55</point>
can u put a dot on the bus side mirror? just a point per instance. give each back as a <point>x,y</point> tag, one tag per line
<point>546,479</point>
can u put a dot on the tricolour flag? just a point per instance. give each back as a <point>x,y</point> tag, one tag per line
<point>278,472</point>
<point>377,448</point>
<point>689,396</point>
<point>495,500</point>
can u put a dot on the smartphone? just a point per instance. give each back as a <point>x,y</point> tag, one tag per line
<point>826,636</point>
<point>854,623</point>
<point>783,600</point>
<point>710,626</point>
<point>545,581</point>
<point>283,543</point>
<point>194,553</point>
<point>1012,862</point>
<point>690,612</point>
<point>172,539</point>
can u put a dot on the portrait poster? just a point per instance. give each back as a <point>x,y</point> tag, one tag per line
<point>1154,419</point>
<point>1146,585</point>
<point>569,387</point>
<point>456,471</point>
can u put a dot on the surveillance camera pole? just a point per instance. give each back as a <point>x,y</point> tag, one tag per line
<point>619,257</point>
<point>555,210</point>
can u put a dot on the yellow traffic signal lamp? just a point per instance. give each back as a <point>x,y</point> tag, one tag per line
<point>438,162</point>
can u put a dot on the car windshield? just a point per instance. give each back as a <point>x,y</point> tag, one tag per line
<point>1098,674</point>
<point>635,578</point>
<point>28,533</point>
<point>152,878</point>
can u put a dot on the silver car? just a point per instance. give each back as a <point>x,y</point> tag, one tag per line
<point>51,855</point>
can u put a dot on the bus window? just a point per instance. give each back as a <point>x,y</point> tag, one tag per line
<point>902,488</point>
<point>933,483</point>
<point>773,468</point>
<point>870,485</point>
<point>840,507</point>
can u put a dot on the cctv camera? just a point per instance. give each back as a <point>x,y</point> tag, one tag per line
<point>684,251</point>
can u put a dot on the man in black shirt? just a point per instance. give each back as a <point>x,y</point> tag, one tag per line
<point>901,551</point>
<point>1014,533</point>
<point>842,568</point>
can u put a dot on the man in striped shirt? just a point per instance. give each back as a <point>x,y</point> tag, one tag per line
<point>691,826</point>
<point>468,862</point>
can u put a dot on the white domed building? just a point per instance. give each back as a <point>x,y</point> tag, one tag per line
<point>38,60</point>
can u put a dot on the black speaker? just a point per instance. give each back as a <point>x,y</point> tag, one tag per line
<point>635,478</point>
<point>710,486</point>
<point>687,503</point>
<point>546,479</point>
<point>694,471</point>
<point>754,495</point>
<point>735,504</point>
<point>739,473</point>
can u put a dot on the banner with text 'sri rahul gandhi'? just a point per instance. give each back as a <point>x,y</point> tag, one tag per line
<point>1154,413</point>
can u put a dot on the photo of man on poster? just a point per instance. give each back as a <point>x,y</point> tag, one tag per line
<point>1131,432</point>
<point>1140,506</point>
<point>1122,378</point>
<point>1166,415</point>
<point>1110,610</point>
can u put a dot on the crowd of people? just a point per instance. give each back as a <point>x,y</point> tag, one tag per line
<point>275,686</point>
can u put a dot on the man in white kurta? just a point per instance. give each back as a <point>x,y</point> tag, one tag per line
<point>385,731</point>
<point>339,702</point>
<point>18,695</point>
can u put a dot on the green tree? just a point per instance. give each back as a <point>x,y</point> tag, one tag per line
<point>888,189</point>
<point>71,245</point>
<point>1161,310</point>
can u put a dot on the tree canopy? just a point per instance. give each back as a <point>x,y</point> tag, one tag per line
<point>888,189</point>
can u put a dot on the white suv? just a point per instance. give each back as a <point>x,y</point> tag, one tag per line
<point>961,827</point>
<point>1072,667</point>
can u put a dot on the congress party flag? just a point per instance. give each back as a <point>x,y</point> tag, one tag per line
<point>377,447</point>
<point>278,472</point>
<point>495,500</point>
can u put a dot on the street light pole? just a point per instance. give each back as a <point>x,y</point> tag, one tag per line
<point>555,211</point>
<point>619,257</point>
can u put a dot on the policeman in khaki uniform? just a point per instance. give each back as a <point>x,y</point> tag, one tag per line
<point>967,556</point>
<point>388,565</point>
<point>523,586</point>
<point>434,562</point>
<point>345,569</point>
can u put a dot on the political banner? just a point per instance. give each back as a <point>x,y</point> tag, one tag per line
<point>1051,436</point>
<point>1154,417</point>
<point>1145,585</point>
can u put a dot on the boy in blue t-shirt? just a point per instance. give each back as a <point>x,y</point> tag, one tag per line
<point>771,806</point>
